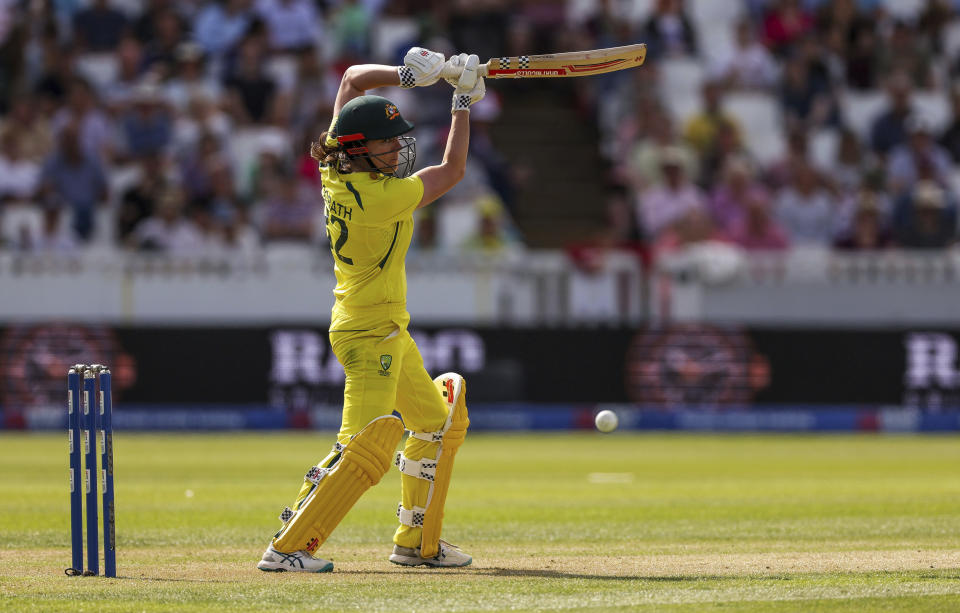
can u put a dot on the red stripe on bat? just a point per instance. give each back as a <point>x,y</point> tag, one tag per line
<point>592,67</point>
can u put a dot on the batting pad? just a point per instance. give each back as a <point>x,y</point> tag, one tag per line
<point>420,472</point>
<point>365,459</point>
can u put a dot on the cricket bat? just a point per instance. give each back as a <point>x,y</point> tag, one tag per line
<point>571,64</point>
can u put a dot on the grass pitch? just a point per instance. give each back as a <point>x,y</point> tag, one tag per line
<point>567,521</point>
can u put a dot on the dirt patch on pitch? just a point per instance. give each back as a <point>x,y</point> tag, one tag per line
<point>739,564</point>
<point>235,564</point>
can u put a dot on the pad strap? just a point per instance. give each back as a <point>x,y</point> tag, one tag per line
<point>286,515</point>
<point>411,517</point>
<point>425,468</point>
<point>434,437</point>
<point>315,474</point>
<point>365,459</point>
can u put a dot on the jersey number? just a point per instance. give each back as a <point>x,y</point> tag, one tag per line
<point>341,240</point>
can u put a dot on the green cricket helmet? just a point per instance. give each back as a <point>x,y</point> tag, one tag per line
<point>367,118</point>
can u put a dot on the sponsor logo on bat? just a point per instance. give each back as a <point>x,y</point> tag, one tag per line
<point>531,72</point>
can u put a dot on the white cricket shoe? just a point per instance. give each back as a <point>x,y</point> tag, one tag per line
<point>274,561</point>
<point>449,556</point>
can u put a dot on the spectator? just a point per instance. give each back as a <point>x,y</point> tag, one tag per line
<point>225,203</point>
<point>140,201</point>
<point>701,130</point>
<point>190,79</point>
<point>665,203</point>
<point>729,199</point>
<point>292,24</point>
<point>197,163</point>
<point>852,166</point>
<point>806,101</point>
<point>888,129</point>
<point>251,92</point>
<point>167,229</point>
<point>74,177</point>
<point>750,65</point>
<point>81,110</point>
<point>756,229</point>
<point>904,52</point>
<point>55,72</point>
<point>920,154</point>
<point>862,59</point>
<point>98,28</point>
<point>118,93</point>
<point>350,26</point>
<point>924,218</point>
<point>314,90</point>
<point>425,230</point>
<point>288,212</point>
<point>932,22</point>
<point>160,52</point>
<point>19,176</point>
<point>145,25</point>
<point>237,233</point>
<point>951,137</point>
<point>780,172</point>
<point>492,235</point>
<point>668,31</point>
<point>644,164</point>
<point>726,145</point>
<point>835,58</point>
<point>203,116</point>
<point>34,136</point>
<point>805,209</point>
<point>784,24</point>
<point>867,230</point>
<point>220,25</point>
<point>147,127</point>
<point>838,15</point>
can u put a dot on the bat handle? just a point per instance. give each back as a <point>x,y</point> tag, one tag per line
<point>451,72</point>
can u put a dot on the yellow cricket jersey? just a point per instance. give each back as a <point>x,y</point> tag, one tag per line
<point>369,220</point>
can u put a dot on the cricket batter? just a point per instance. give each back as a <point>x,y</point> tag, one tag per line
<point>369,197</point>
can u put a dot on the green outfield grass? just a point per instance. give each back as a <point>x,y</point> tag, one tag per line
<point>562,521</point>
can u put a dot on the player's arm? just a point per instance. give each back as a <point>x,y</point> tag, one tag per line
<point>421,67</point>
<point>438,180</point>
<point>361,77</point>
<point>469,88</point>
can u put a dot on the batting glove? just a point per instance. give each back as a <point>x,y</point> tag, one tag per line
<point>421,67</point>
<point>469,87</point>
<point>453,68</point>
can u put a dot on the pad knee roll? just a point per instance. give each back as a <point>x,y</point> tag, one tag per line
<point>364,460</point>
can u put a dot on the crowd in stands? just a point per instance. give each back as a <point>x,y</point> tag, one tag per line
<point>823,123</point>
<point>185,125</point>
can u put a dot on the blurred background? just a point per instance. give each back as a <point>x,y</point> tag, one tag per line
<point>754,231</point>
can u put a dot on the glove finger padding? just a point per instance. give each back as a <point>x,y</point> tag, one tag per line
<point>470,87</point>
<point>421,67</point>
<point>453,68</point>
<point>468,77</point>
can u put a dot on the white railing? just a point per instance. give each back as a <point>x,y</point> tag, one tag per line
<point>808,287</point>
<point>527,288</point>
<point>293,283</point>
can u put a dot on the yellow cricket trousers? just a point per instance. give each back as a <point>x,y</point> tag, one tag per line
<point>385,373</point>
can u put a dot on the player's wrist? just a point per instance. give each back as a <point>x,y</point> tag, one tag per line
<point>461,102</point>
<point>407,77</point>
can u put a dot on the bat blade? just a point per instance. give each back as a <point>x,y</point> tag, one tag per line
<point>571,64</point>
